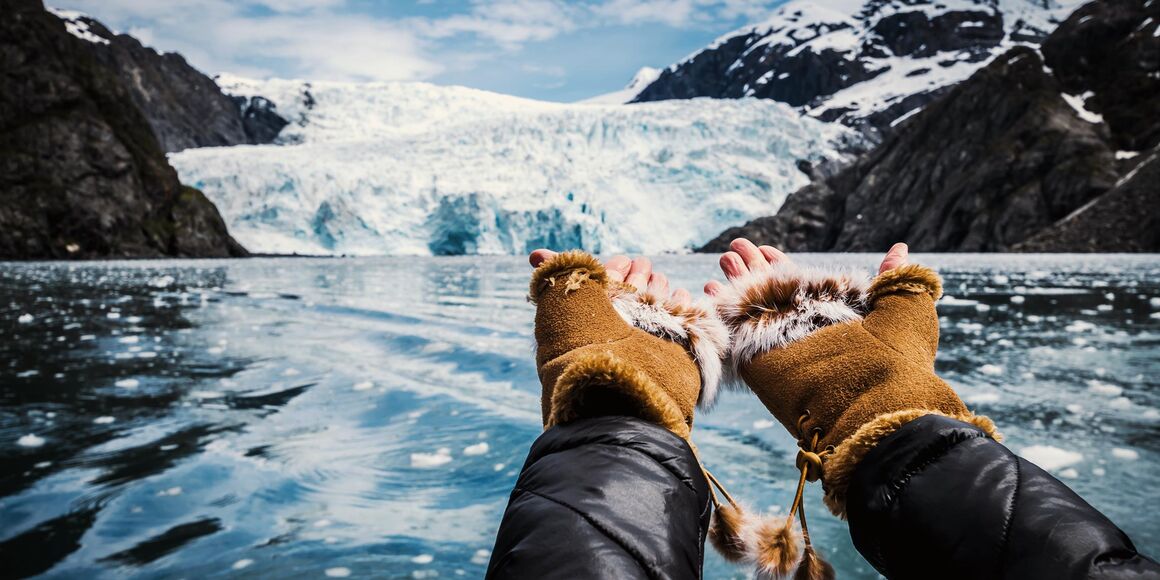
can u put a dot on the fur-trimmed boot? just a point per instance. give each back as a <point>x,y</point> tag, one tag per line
<point>841,361</point>
<point>605,348</point>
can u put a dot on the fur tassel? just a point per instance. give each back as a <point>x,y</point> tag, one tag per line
<point>776,548</point>
<point>726,532</point>
<point>813,567</point>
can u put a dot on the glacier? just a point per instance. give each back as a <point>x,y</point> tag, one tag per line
<point>408,168</point>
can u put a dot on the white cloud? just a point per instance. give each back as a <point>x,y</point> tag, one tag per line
<point>333,40</point>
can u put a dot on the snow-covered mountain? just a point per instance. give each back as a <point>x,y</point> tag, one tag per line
<point>865,63</point>
<point>413,168</point>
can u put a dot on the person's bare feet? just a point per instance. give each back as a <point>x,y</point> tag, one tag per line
<point>746,257</point>
<point>638,273</point>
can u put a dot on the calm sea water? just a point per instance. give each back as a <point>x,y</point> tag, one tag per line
<point>309,418</point>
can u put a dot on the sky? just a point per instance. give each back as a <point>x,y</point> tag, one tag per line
<point>543,49</point>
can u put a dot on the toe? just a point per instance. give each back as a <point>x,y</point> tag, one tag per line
<point>681,297</point>
<point>713,287</point>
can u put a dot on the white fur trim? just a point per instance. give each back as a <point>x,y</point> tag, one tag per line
<point>696,327</point>
<point>772,308</point>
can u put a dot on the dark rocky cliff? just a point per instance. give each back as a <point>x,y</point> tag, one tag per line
<point>900,51</point>
<point>1003,158</point>
<point>185,107</point>
<point>81,173</point>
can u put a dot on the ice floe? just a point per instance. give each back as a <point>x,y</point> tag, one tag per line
<point>1050,458</point>
<point>1125,454</point>
<point>30,440</point>
<point>423,460</point>
<point>477,449</point>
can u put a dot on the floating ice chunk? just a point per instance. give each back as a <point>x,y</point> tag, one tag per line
<point>88,337</point>
<point>242,564</point>
<point>26,374</point>
<point>1102,388</point>
<point>291,372</point>
<point>1120,403</point>
<point>1155,315</point>
<point>1069,473</point>
<point>128,383</point>
<point>1125,454</point>
<point>948,300</point>
<point>1104,307</point>
<point>169,447</point>
<point>423,559</point>
<point>982,398</point>
<point>477,449</point>
<point>1000,279</point>
<point>1154,301</point>
<point>30,440</point>
<point>763,424</point>
<point>104,420</point>
<point>322,523</point>
<point>364,386</point>
<point>206,394</point>
<point>43,465</point>
<point>1017,299</point>
<point>990,369</point>
<point>175,490</point>
<point>1074,408</point>
<point>1099,471</point>
<point>113,315</point>
<point>424,460</point>
<point>25,319</point>
<point>337,572</point>
<point>215,350</point>
<point>480,557</point>
<point>131,339</point>
<point>1050,458</point>
<point>982,307</point>
<point>499,466</point>
<point>1080,326</point>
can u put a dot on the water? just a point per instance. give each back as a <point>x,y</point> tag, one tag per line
<point>298,418</point>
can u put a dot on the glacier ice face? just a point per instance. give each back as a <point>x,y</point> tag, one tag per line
<point>413,168</point>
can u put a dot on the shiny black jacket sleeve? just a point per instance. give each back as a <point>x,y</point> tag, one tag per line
<point>609,497</point>
<point>939,499</point>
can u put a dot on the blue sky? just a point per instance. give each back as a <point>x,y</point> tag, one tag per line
<point>545,49</point>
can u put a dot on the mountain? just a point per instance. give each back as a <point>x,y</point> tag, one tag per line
<point>413,168</point>
<point>867,63</point>
<point>184,107</point>
<point>83,174</point>
<point>1024,155</point>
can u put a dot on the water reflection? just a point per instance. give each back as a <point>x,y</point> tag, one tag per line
<point>288,417</point>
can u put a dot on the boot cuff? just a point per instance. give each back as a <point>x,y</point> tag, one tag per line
<point>771,308</point>
<point>601,384</point>
<point>911,278</point>
<point>839,467</point>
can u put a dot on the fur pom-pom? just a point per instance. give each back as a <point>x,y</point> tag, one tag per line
<point>813,567</point>
<point>912,278</point>
<point>776,548</point>
<point>697,327</point>
<point>726,532</point>
<point>771,308</point>
<point>579,266</point>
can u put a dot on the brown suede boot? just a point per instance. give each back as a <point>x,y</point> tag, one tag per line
<point>603,348</point>
<point>841,363</point>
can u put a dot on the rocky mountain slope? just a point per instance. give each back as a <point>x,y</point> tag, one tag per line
<point>864,63</point>
<point>83,175</point>
<point>1023,155</point>
<point>185,107</point>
